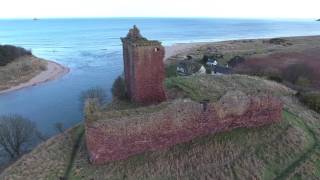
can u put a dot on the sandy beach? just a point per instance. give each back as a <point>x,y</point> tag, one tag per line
<point>180,48</point>
<point>53,71</point>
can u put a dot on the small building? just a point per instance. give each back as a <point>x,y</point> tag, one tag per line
<point>212,62</point>
<point>187,68</point>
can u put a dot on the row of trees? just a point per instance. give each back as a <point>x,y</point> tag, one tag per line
<point>9,53</point>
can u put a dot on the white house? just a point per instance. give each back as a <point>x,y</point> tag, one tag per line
<point>212,62</point>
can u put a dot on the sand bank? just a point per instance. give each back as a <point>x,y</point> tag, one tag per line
<point>181,48</point>
<point>53,71</point>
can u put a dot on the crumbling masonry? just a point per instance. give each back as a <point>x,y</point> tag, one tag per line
<point>117,135</point>
<point>170,123</point>
<point>143,68</point>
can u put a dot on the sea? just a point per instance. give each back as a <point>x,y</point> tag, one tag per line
<point>92,49</point>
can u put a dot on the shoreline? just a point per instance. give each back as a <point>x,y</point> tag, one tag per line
<point>179,48</point>
<point>53,72</point>
<point>182,48</point>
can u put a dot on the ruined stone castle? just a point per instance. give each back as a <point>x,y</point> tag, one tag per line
<point>118,134</point>
<point>143,68</point>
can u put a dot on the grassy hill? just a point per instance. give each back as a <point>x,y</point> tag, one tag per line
<point>17,66</point>
<point>21,70</point>
<point>9,53</point>
<point>290,149</point>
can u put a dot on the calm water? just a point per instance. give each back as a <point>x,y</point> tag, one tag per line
<point>91,48</point>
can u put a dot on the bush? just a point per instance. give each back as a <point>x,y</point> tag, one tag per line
<point>91,109</point>
<point>297,72</point>
<point>233,62</point>
<point>208,70</point>
<point>16,134</point>
<point>96,93</point>
<point>311,99</point>
<point>277,41</point>
<point>9,53</point>
<point>275,78</point>
<point>205,59</point>
<point>119,89</point>
<point>171,70</point>
<point>303,82</point>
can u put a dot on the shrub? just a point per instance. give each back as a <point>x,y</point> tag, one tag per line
<point>277,41</point>
<point>43,67</point>
<point>96,93</point>
<point>208,70</point>
<point>311,99</point>
<point>233,62</point>
<point>297,71</point>
<point>189,57</point>
<point>118,89</point>
<point>171,70</point>
<point>303,81</point>
<point>275,78</point>
<point>205,59</point>
<point>16,134</point>
<point>9,53</point>
<point>91,109</point>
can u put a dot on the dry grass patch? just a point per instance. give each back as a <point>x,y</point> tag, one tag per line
<point>211,87</point>
<point>47,161</point>
<point>21,70</point>
<point>289,149</point>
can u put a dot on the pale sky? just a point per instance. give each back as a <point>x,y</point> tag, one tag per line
<point>160,8</point>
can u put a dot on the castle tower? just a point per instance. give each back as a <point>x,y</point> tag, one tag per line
<point>143,68</point>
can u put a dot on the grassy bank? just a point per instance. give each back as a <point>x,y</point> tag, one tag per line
<point>21,70</point>
<point>282,150</point>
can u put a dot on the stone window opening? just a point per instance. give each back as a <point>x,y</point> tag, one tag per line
<point>156,49</point>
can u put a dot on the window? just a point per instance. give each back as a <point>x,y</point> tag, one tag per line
<point>156,49</point>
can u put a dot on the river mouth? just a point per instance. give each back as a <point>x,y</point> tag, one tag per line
<point>92,49</point>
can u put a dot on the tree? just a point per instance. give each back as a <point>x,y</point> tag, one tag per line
<point>59,127</point>
<point>205,59</point>
<point>16,132</point>
<point>94,93</point>
<point>9,53</point>
<point>118,89</point>
<point>294,72</point>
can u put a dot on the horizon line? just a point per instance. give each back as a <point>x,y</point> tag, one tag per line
<point>155,17</point>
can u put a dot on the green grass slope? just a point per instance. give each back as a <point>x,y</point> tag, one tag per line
<point>287,150</point>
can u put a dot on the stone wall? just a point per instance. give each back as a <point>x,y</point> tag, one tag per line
<point>143,68</point>
<point>120,137</point>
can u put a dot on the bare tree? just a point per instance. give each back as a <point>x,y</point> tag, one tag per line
<point>59,127</point>
<point>118,88</point>
<point>94,93</point>
<point>16,133</point>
